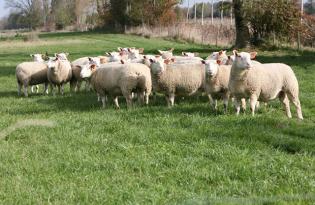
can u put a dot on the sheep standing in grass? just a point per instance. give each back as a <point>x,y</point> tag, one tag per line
<point>31,73</point>
<point>263,82</point>
<point>77,65</point>
<point>176,79</point>
<point>36,58</point>
<point>120,79</point>
<point>217,82</point>
<point>58,74</point>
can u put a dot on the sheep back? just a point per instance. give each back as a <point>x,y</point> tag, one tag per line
<point>31,73</point>
<point>180,79</point>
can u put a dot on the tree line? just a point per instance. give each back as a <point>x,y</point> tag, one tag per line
<point>255,20</point>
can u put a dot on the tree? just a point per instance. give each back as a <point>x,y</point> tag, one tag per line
<point>31,10</point>
<point>242,30</point>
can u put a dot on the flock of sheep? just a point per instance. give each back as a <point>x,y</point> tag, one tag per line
<point>129,73</point>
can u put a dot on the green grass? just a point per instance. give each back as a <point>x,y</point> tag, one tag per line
<point>151,155</point>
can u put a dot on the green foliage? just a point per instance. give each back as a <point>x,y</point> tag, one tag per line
<point>272,17</point>
<point>151,155</point>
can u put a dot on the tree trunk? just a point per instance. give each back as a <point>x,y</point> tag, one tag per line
<point>242,30</point>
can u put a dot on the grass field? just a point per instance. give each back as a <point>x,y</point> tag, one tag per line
<point>150,155</point>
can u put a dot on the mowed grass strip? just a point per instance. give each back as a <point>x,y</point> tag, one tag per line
<point>151,155</point>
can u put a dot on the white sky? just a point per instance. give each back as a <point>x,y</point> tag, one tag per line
<point>3,11</point>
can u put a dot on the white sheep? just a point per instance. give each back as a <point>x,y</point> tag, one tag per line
<point>62,56</point>
<point>263,82</point>
<point>120,79</point>
<point>36,58</point>
<point>116,56</point>
<point>31,73</point>
<point>189,54</point>
<point>220,55</point>
<point>77,65</point>
<point>176,79</point>
<point>166,54</point>
<point>58,74</point>
<point>217,82</point>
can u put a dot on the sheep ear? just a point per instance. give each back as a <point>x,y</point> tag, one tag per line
<point>183,53</point>
<point>32,55</point>
<point>90,59</point>
<point>224,52</point>
<point>203,62</point>
<point>161,52</point>
<point>253,55</point>
<point>67,54</point>
<point>141,50</point>
<point>172,49</point>
<point>219,62</point>
<point>129,50</point>
<point>173,60</point>
<point>119,49</point>
<point>93,66</point>
<point>235,53</point>
<point>221,52</point>
<point>56,54</point>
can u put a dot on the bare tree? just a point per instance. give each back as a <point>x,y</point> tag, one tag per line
<point>30,9</point>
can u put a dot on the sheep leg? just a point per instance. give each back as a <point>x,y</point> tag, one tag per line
<point>62,89</point>
<point>98,97</point>
<point>103,98</point>
<point>172,99</point>
<point>129,100</point>
<point>213,103</point>
<point>78,86</point>
<point>116,102</point>
<point>25,90</point>
<point>19,89</point>
<point>225,103</point>
<point>286,103</point>
<point>253,102</point>
<point>32,89</point>
<point>295,100</point>
<point>53,87</point>
<point>243,101</point>
<point>257,105</point>
<point>46,88</point>
<point>73,86</point>
<point>37,88</point>
<point>147,96</point>
<point>237,104</point>
<point>140,98</point>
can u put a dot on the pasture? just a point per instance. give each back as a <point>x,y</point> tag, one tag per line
<point>151,154</point>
